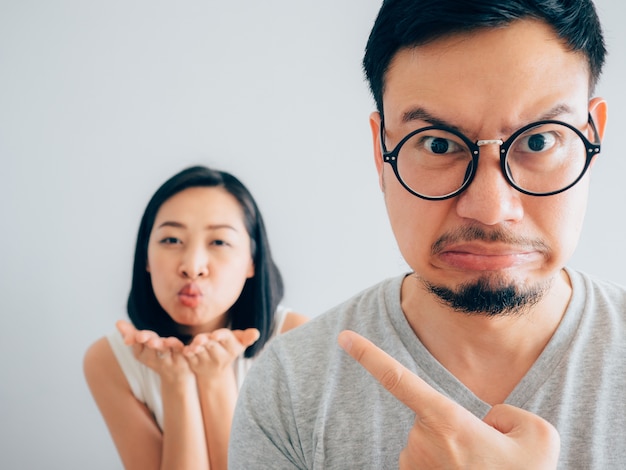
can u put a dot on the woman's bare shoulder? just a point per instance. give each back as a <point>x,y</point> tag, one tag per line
<point>293,320</point>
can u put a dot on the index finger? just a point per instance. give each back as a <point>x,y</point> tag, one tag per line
<point>397,379</point>
<point>127,330</point>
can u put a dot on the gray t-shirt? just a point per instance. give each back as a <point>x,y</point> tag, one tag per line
<point>306,404</point>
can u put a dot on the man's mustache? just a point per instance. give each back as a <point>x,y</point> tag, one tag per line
<point>474,233</point>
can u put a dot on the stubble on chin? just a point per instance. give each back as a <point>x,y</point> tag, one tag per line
<point>491,294</point>
<point>489,297</point>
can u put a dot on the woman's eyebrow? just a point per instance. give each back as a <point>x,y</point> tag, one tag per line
<point>175,224</point>
<point>219,226</point>
<point>171,223</point>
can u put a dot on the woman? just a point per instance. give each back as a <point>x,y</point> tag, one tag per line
<point>203,303</point>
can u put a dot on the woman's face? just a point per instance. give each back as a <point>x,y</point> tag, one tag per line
<point>199,257</point>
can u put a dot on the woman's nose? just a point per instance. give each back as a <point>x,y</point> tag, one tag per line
<point>195,264</point>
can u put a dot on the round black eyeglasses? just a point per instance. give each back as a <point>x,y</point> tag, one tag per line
<point>540,159</point>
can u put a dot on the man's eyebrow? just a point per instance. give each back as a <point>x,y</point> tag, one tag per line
<point>558,110</point>
<point>420,114</point>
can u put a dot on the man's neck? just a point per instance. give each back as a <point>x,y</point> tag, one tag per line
<point>488,354</point>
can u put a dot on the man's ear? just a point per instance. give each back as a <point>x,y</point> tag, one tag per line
<point>375,124</point>
<point>599,113</point>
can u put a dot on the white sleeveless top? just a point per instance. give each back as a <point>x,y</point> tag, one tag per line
<point>146,383</point>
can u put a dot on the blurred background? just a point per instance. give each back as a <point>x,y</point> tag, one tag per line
<point>100,102</point>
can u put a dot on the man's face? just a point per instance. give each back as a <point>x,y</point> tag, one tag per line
<point>487,84</point>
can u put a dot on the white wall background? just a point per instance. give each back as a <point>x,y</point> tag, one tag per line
<point>100,102</point>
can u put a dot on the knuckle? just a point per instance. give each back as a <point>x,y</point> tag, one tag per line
<point>546,432</point>
<point>391,379</point>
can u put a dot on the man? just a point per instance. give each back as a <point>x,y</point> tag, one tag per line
<point>492,353</point>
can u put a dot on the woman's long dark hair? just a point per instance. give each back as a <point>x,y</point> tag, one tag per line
<point>261,293</point>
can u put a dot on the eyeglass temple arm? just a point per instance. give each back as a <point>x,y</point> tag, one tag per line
<point>596,135</point>
<point>382,134</point>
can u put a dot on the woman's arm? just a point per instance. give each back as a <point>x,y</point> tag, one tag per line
<point>218,396</point>
<point>134,431</point>
<point>138,439</point>
<point>184,440</point>
<point>210,357</point>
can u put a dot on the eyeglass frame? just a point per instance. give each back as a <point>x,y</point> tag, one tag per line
<point>391,157</point>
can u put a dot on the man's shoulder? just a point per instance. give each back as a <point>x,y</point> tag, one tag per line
<point>313,345</point>
<point>590,283</point>
<point>359,310</point>
<point>600,300</point>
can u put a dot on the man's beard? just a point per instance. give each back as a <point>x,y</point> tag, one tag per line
<point>488,297</point>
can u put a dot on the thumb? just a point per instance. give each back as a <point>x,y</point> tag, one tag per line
<point>247,337</point>
<point>526,428</point>
<point>509,419</point>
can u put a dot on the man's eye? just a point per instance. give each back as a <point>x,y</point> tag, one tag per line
<point>439,145</point>
<point>537,142</point>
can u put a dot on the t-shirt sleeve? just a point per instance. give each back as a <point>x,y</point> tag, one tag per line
<point>264,432</point>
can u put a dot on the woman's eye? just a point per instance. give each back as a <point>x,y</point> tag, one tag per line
<point>220,243</point>
<point>170,241</point>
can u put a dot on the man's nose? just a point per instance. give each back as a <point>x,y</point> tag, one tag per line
<point>490,199</point>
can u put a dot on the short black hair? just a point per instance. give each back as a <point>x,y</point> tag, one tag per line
<point>404,24</point>
<point>261,293</point>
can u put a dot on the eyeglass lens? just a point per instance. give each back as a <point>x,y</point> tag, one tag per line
<point>545,158</point>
